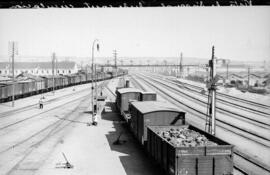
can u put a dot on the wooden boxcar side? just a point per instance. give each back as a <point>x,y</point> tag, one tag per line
<point>147,113</point>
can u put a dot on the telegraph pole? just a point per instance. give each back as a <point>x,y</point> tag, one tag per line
<point>12,50</point>
<point>56,66</point>
<point>227,71</point>
<point>13,77</point>
<point>248,76</point>
<point>213,91</point>
<point>115,60</point>
<point>53,68</point>
<point>92,92</point>
<point>96,84</point>
<point>211,116</point>
<point>181,66</point>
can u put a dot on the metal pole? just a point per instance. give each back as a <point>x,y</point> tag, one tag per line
<point>96,83</point>
<point>180,66</point>
<point>227,71</point>
<point>13,84</point>
<point>115,61</point>
<point>92,92</point>
<point>248,76</point>
<point>53,60</point>
<point>213,92</point>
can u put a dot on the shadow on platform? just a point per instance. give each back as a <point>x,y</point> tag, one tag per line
<point>136,162</point>
<point>88,112</point>
<point>73,121</point>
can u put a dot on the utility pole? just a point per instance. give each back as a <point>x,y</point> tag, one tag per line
<point>13,84</point>
<point>248,76</point>
<point>96,83</point>
<point>115,60</point>
<point>181,66</point>
<point>13,77</point>
<point>12,50</point>
<point>92,92</point>
<point>56,66</point>
<point>227,70</point>
<point>53,68</point>
<point>210,125</point>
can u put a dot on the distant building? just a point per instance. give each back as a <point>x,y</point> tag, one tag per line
<point>38,68</point>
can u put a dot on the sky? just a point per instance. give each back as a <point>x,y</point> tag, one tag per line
<point>238,33</point>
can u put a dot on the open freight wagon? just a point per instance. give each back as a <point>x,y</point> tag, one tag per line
<point>213,159</point>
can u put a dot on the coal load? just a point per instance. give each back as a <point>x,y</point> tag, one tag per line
<point>184,137</point>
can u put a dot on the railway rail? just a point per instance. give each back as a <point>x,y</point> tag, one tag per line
<point>29,144</point>
<point>47,110</point>
<point>257,121</point>
<point>236,101</point>
<point>258,166</point>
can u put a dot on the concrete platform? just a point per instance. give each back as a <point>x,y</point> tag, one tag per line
<point>91,151</point>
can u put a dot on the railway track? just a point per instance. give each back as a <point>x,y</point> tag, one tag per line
<point>252,106</point>
<point>32,106</point>
<point>47,110</point>
<point>27,145</point>
<point>261,124</point>
<point>256,165</point>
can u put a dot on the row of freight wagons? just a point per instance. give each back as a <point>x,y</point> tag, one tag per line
<point>32,86</point>
<point>148,118</point>
<point>125,95</point>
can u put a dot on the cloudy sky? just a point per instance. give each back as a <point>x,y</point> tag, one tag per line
<point>238,33</point>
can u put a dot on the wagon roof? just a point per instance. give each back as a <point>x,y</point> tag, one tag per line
<point>154,106</point>
<point>25,76</point>
<point>149,92</point>
<point>126,90</point>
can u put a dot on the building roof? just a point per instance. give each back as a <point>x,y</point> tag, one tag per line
<point>4,78</point>
<point>126,90</point>
<point>235,75</point>
<point>153,106</point>
<point>40,65</point>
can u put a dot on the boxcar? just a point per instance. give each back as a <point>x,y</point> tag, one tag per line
<point>40,84</point>
<point>148,96</point>
<point>4,92</point>
<point>202,160</point>
<point>124,95</point>
<point>83,78</point>
<point>64,80</point>
<point>145,113</point>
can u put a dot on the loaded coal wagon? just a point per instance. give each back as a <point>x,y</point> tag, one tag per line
<point>189,150</point>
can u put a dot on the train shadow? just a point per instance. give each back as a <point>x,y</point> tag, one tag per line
<point>135,161</point>
<point>87,112</point>
<point>73,121</point>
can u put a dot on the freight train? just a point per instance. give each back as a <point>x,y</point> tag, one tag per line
<point>36,85</point>
<point>176,146</point>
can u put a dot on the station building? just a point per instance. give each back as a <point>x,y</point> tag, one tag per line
<point>38,68</point>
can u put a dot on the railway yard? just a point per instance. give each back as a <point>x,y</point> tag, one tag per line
<point>60,139</point>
